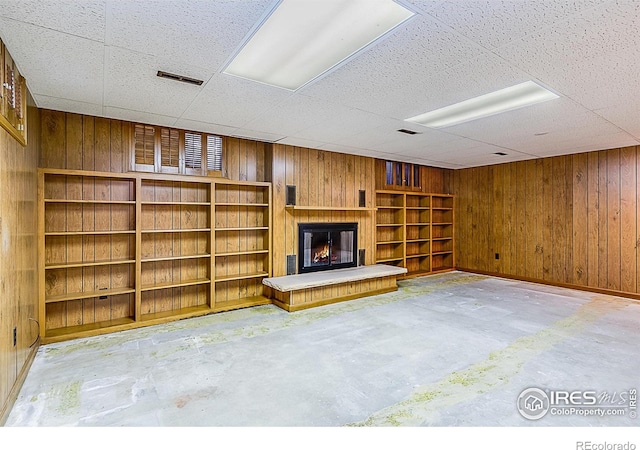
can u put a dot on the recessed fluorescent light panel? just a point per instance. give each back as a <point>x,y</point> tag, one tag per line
<point>303,39</point>
<point>508,99</point>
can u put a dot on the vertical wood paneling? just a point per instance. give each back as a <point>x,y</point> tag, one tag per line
<point>559,232</point>
<point>521,207</point>
<point>603,250</point>
<point>547,220</point>
<point>529,227</point>
<point>580,218</point>
<point>321,179</point>
<point>628,219</point>
<point>613,219</point>
<point>18,254</point>
<point>593,229</point>
<point>567,219</point>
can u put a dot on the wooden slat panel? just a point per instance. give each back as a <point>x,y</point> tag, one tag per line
<point>628,219</point>
<point>603,255</point>
<point>580,218</point>
<point>593,228</point>
<point>613,219</point>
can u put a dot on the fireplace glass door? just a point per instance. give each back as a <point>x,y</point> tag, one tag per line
<point>327,246</point>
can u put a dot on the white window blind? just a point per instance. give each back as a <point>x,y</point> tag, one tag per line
<point>214,153</point>
<point>193,150</point>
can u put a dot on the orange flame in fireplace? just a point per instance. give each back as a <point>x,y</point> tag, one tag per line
<point>322,254</point>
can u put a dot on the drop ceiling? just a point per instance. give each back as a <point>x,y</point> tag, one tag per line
<point>100,57</point>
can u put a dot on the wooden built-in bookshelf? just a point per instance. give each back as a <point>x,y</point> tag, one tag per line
<point>119,251</point>
<point>415,230</point>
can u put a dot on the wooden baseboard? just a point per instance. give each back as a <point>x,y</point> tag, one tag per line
<point>15,390</point>
<point>329,301</point>
<point>629,295</point>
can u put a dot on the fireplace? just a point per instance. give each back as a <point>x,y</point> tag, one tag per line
<point>325,246</point>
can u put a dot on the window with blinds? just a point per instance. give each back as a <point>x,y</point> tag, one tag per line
<point>157,149</point>
<point>214,153</point>
<point>144,137</point>
<point>170,150</point>
<point>193,151</point>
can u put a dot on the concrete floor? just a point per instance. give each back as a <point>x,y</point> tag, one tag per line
<point>449,350</point>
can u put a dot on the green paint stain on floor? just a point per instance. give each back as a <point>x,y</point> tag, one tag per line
<point>68,397</point>
<point>426,402</point>
<point>263,319</point>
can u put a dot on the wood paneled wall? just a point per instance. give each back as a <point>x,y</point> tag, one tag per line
<point>322,179</point>
<point>18,258</point>
<point>568,219</point>
<point>73,141</point>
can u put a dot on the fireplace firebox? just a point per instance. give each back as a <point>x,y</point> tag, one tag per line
<point>325,246</point>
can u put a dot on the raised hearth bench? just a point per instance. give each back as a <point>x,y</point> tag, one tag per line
<point>302,291</point>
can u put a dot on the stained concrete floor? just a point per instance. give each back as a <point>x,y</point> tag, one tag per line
<point>454,349</point>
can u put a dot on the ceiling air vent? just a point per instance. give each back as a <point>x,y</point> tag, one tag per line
<point>405,131</point>
<point>182,78</point>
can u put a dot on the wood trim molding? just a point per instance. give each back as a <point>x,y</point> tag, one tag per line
<point>15,390</point>
<point>293,308</point>
<point>628,295</point>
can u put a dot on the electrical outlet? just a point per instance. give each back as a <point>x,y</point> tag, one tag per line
<point>15,336</point>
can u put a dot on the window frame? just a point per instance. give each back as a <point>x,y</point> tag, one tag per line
<point>182,168</point>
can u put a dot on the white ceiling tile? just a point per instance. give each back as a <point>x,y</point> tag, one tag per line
<point>233,101</point>
<point>493,24</point>
<point>194,32</point>
<point>593,58</point>
<point>64,104</point>
<point>84,19</point>
<point>56,64</point>
<point>258,135</point>
<point>625,115</point>
<point>194,125</point>
<point>388,79</point>
<point>529,128</point>
<point>597,142</point>
<point>297,142</point>
<point>139,116</point>
<point>131,82</point>
<point>296,113</point>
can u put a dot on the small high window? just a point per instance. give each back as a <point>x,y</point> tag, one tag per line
<point>167,150</point>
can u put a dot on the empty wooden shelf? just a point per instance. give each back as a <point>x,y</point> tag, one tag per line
<point>123,250</point>
<point>415,231</point>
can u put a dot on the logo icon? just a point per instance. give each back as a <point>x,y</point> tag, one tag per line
<point>533,403</point>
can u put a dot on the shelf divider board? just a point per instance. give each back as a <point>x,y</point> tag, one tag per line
<point>175,258</point>
<point>138,275</point>
<point>243,276</point>
<point>327,208</point>
<point>88,294</point>
<point>212,245</point>
<point>97,202</point>
<point>172,284</point>
<point>41,256</point>
<point>270,230</point>
<point>113,262</point>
